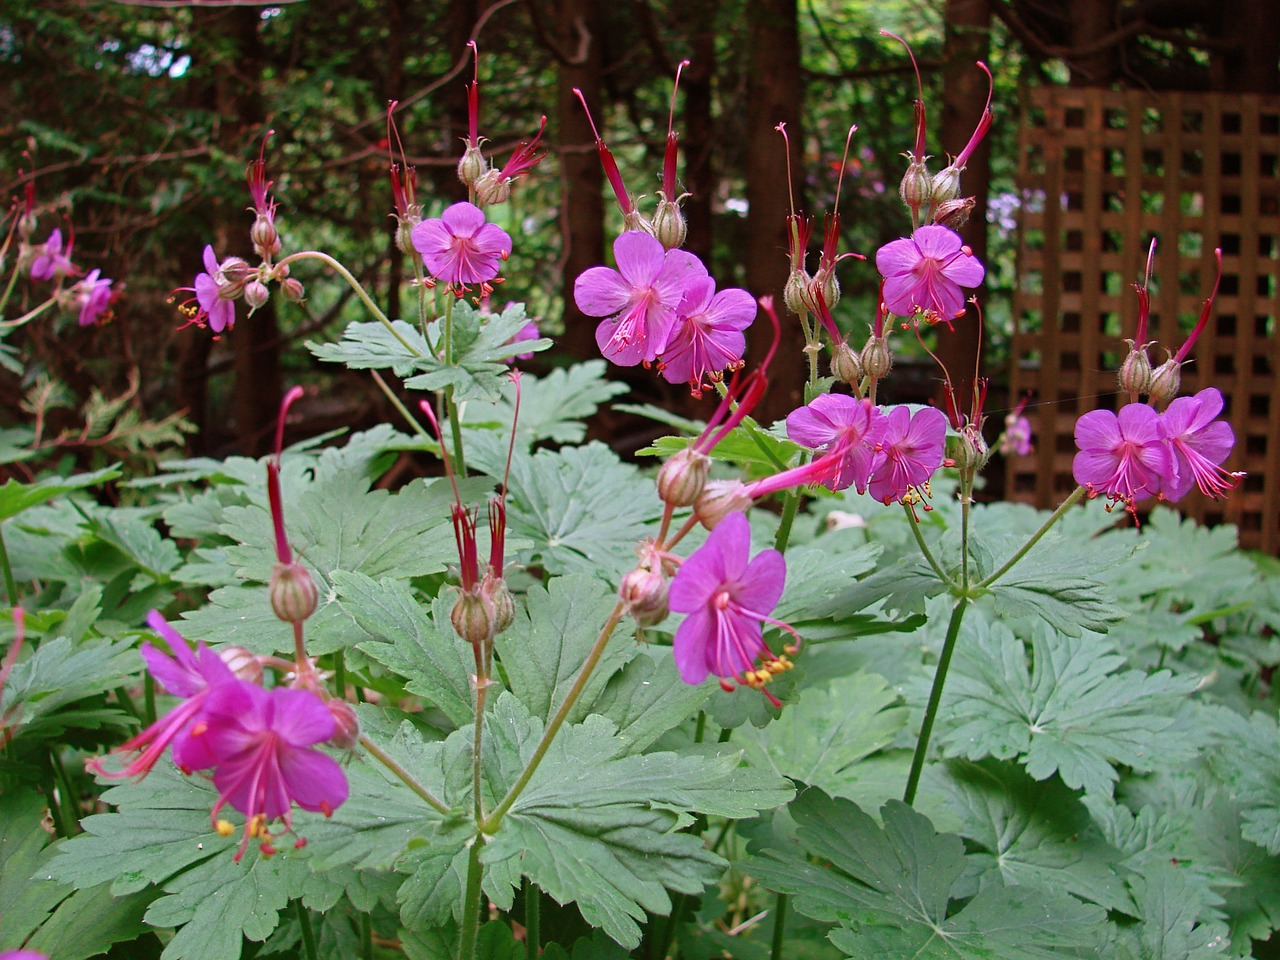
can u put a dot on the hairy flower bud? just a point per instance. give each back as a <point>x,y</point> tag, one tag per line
<point>266,241</point>
<point>719,499</point>
<point>968,449</point>
<point>1135,373</point>
<point>1166,380</point>
<point>795,292</point>
<point>292,290</point>
<point>954,213</point>
<point>682,478</point>
<point>917,186</point>
<point>826,285</point>
<point>473,617</point>
<point>846,365</point>
<point>293,593</point>
<point>492,187</point>
<point>645,593</point>
<point>243,663</point>
<point>945,186</point>
<point>256,294</point>
<point>669,225</point>
<point>472,166</point>
<point>495,591</point>
<point>876,359</point>
<point>346,726</point>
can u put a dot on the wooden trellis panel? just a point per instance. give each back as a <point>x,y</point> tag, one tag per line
<point>1100,174</point>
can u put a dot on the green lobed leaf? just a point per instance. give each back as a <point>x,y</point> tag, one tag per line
<point>1248,761</point>
<point>551,407</point>
<point>890,890</point>
<point>371,345</point>
<point>646,698</point>
<point>16,497</point>
<point>820,740</point>
<point>1075,712</point>
<point>1173,928</point>
<point>420,646</point>
<point>544,649</point>
<point>582,508</point>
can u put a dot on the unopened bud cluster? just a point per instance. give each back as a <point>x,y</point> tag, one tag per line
<point>483,612</point>
<point>293,592</point>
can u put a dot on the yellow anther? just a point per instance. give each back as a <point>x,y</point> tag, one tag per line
<point>225,828</point>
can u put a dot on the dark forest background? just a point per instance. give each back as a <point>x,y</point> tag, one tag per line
<point>136,119</point>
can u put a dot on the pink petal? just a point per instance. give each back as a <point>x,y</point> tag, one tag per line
<point>937,242</point>
<point>462,219</point>
<point>313,780</point>
<point>300,717</point>
<point>897,257</point>
<point>640,258</point>
<point>761,584</point>
<point>689,648</point>
<point>601,292</point>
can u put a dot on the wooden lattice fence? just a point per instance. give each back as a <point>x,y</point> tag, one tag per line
<point>1100,174</point>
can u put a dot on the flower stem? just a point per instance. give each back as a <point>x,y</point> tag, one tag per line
<point>10,585</point>
<point>494,819</point>
<point>779,926</point>
<point>532,919</point>
<point>477,740</point>
<point>789,507</point>
<point>1035,537</point>
<point>28,316</point>
<point>366,937</point>
<point>471,901</point>
<point>355,285</point>
<point>66,800</point>
<point>935,698</point>
<point>308,935</point>
<point>924,547</point>
<point>403,775</point>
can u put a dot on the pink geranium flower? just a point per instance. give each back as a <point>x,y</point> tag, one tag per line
<point>639,298</point>
<point>261,746</point>
<point>1123,456</point>
<point>707,336</point>
<point>1198,444</point>
<point>924,272</point>
<point>52,262</point>
<point>460,247</point>
<point>221,312</point>
<point>185,674</point>
<point>909,450</point>
<point>727,600</point>
<point>833,422</point>
<point>92,296</point>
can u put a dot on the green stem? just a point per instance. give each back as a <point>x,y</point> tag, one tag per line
<point>477,740</point>
<point>455,430</point>
<point>355,285</point>
<point>387,392</point>
<point>66,800</point>
<point>779,926</point>
<point>28,316</point>
<point>13,278</point>
<point>10,585</point>
<point>403,775</point>
<point>935,698</point>
<point>340,674</point>
<point>966,504</point>
<point>494,819</point>
<point>148,699</point>
<point>1035,538</point>
<point>471,901</point>
<point>924,547</point>
<point>789,508</point>
<point>308,935</point>
<point>532,919</point>
<point>366,937</point>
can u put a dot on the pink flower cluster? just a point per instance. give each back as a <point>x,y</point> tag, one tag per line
<point>661,306</point>
<point>89,297</point>
<point>258,744</point>
<point>1139,453</point>
<point>923,274</point>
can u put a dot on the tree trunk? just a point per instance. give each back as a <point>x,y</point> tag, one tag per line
<point>1091,21</point>
<point>775,95</point>
<point>699,132</point>
<point>582,203</point>
<point>964,94</point>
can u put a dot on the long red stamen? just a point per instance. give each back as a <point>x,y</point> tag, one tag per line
<point>1204,313</point>
<point>669,160</point>
<point>1144,299</point>
<point>984,123</point>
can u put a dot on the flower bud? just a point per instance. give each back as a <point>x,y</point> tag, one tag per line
<point>346,726</point>
<point>826,284</point>
<point>473,616</point>
<point>954,213</point>
<point>256,294</point>
<point>243,663</point>
<point>1135,372</point>
<point>876,359</point>
<point>492,187</point>
<point>404,236</point>
<point>795,292</point>
<point>917,186</point>
<point>845,364</point>
<point>503,607</point>
<point>293,593</point>
<point>645,593</point>
<point>968,449</point>
<point>719,499</point>
<point>1166,380</point>
<point>292,290</point>
<point>472,166</point>
<point>669,225</point>
<point>946,185</point>
<point>632,221</point>
<point>682,478</point>
<point>265,239</point>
